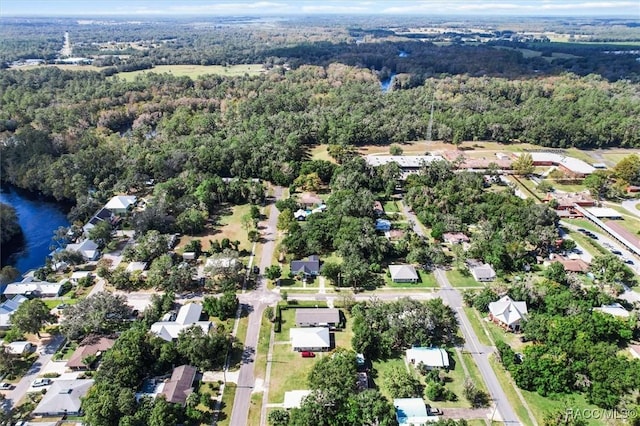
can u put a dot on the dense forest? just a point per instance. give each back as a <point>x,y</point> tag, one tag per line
<point>56,123</point>
<point>9,225</point>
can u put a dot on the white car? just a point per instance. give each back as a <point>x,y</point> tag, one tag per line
<point>5,386</point>
<point>41,382</point>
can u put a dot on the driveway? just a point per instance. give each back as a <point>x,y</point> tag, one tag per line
<point>631,206</point>
<point>24,386</point>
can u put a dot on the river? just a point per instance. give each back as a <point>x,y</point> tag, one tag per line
<point>385,84</point>
<point>38,218</point>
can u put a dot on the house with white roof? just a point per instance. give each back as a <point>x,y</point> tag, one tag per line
<point>412,412</point>
<point>121,204</point>
<point>188,315</point>
<point>614,309</point>
<point>7,309</point>
<point>482,272</point>
<point>429,357</point>
<point>403,274</point>
<point>88,249</point>
<point>30,286</point>
<point>310,339</point>
<point>64,397</point>
<point>508,312</point>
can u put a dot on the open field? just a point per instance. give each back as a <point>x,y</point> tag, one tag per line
<point>457,279</point>
<point>228,225</point>
<point>320,152</point>
<point>195,71</point>
<point>289,371</point>
<point>66,67</point>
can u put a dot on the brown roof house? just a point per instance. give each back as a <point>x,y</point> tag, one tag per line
<point>455,238</point>
<point>91,346</point>
<point>309,199</point>
<point>180,385</point>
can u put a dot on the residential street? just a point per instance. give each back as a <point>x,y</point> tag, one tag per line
<point>480,353</point>
<point>17,393</point>
<point>258,299</point>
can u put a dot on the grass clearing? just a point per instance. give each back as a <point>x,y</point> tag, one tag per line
<point>587,243</point>
<point>383,370</point>
<point>343,337</point>
<point>509,389</point>
<point>292,371</point>
<point>255,408</point>
<point>229,395</point>
<point>541,405</point>
<point>321,152</point>
<point>391,206</point>
<point>458,279</point>
<point>476,325</point>
<point>584,223</point>
<point>264,337</point>
<point>195,71</point>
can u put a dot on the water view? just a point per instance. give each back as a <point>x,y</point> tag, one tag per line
<point>39,219</point>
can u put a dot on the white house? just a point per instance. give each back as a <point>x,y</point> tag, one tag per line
<point>7,309</point>
<point>120,204</point>
<point>412,412</point>
<point>482,272</point>
<point>20,348</point>
<point>429,357</point>
<point>188,315</point>
<point>30,286</point>
<point>403,274</point>
<point>508,312</point>
<point>310,339</point>
<point>87,248</point>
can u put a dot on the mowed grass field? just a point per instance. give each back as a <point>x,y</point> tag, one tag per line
<point>195,71</point>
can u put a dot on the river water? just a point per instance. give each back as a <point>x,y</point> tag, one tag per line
<point>385,84</point>
<point>39,219</point>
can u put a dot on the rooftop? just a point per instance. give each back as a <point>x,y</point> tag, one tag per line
<point>404,161</point>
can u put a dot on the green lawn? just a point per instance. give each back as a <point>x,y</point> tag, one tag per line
<point>508,387</point>
<point>255,408</point>
<point>391,206</point>
<point>229,395</point>
<point>264,337</point>
<point>566,187</point>
<point>427,280</point>
<point>541,405</point>
<point>584,223</point>
<point>474,372</point>
<point>289,371</point>
<point>320,152</point>
<point>344,337</point>
<point>455,382</point>
<point>589,244</point>
<point>458,279</point>
<point>383,370</point>
<point>474,319</point>
<point>195,71</point>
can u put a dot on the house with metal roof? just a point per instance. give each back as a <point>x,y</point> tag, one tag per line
<point>317,317</point>
<point>403,274</point>
<point>7,309</point>
<point>88,249</point>
<point>294,398</point>
<point>614,309</point>
<point>310,339</point>
<point>412,412</point>
<point>121,204</point>
<point>188,315</point>
<point>508,312</point>
<point>429,357</point>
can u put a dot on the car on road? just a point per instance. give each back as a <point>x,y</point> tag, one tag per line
<point>307,354</point>
<point>41,382</point>
<point>592,235</point>
<point>256,269</point>
<point>618,252</point>
<point>62,306</point>
<point>6,386</point>
<point>582,230</point>
<point>627,261</point>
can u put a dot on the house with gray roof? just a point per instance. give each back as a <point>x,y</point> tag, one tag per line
<point>309,267</point>
<point>63,398</point>
<point>7,309</point>
<point>317,317</point>
<point>482,272</point>
<point>180,385</point>
<point>403,274</point>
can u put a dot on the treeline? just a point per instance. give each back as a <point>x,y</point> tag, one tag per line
<point>9,225</point>
<point>56,123</point>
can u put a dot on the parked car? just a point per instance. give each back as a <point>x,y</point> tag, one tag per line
<point>62,306</point>
<point>256,269</point>
<point>307,354</point>
<point>618,252</point>
<point>582,230</point>
<point>41,382</point>
<point>627,261</point>
<point>5,386</point>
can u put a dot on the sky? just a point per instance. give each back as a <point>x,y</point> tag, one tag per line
<point>169,8</point>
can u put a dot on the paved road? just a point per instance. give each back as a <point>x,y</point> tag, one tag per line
<point>15,395</point>
<point>630,205</point>
<point>479,352</point>
<point>259,300</point>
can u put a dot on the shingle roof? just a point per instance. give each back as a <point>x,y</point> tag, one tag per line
<point>317,316</point>
<point>403,272</point>
<point>63,397</point>
<point>178,388</point>
<point>89,346</point>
